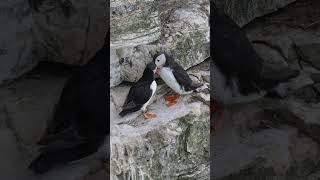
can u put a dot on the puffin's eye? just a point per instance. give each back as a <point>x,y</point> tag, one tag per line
<point>158,60</point>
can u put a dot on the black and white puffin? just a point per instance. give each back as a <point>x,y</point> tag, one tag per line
<point>239,75</point>
<point>80,123</point>
<point>141,92</point>
<point>174,75</point>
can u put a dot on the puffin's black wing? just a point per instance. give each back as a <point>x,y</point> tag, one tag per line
<point>181,76</point>
<point>138,95</point>
<point>233,52</point>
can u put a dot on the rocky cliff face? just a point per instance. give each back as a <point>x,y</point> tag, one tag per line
<point>244,12</point>
<point>175,144</point>
<point>62,31</point>
<point>275,143</point>
<point>28,99</point>
<point>15,41</point>
<point>277,138</point>
<point>139,29</point>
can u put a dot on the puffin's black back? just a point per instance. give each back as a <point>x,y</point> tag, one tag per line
<point>233,53</point>
<point>140,92</point>
<point>148,74</point>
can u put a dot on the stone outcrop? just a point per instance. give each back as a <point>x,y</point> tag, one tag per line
<point>15,41</point>
<point>174,144</point>
<point>63,31</point>
<point>276,138</point>
<point>142,28</point>
<point>245,11</point>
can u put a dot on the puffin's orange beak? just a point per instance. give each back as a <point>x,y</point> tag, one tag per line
<point>158,70</point>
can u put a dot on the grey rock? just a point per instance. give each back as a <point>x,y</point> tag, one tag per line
<point>13,161</point>
<point>315,77</point>
<point>280,31</point>
<point>133,22</point>
<point>275,138</point>
<point>270,55</point>
<point>26,108</point>
<point>151,148</point>
<point>271,143</point>
<point>245,11</point>
<point>29,105</point>
<point>309,94</point>
<point>70,38</point>
<point>317,87</point>
<point>310,53</point>
<point>287,88</point>
<point>141,29</point>
<point>16,44</point>
<point>51,34</point>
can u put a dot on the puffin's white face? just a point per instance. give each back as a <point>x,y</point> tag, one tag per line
<point>160,60</point>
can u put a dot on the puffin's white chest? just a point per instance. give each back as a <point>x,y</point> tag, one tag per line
<point>153,87</point>
<point>168,77</point>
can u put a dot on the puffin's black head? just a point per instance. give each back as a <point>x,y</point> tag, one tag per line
<point>149,71</point>
<point>151,66</point>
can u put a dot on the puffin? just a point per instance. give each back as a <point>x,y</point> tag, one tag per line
<point>174,76</point>
<point>239,74</point>
<point>141,93</point>
<point>80,122</point>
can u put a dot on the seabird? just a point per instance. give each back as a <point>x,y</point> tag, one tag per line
<point>141,92</point>
<point>174,75</point>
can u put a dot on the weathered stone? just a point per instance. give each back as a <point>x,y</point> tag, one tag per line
<point>70,32</point>
<point>115,76</point>
<point>317,87</point>
<point>270,56</point>
<point>286,88</point>
<point>315,77</point>
<point>275,138</point>
<point>308,94</point>
<point>270,143</point>
<point>29,106</point>
<point>245,11</point>
<point>310,53</point>
<point>152,148</point>
<point>281,31</point>
<point>13,161</point>
<point>177,27</point>
<point>16,44</point>
<point>133,22</point>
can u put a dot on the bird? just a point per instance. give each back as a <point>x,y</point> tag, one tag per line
<point>80,123</point>
<point>174,76</point>
<point>239,74</point>
<point>141,92</point>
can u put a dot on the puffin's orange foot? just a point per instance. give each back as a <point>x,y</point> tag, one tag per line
<point>150,116</point>
<point>172,97</point>
<point>172,100</point>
